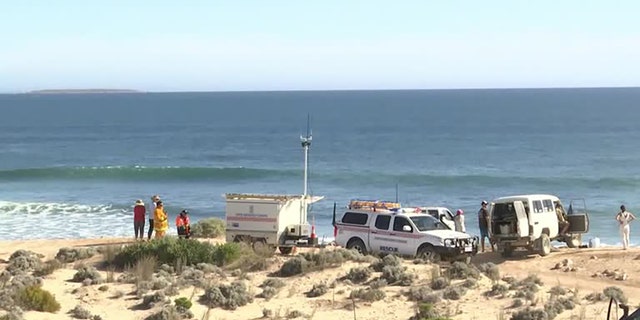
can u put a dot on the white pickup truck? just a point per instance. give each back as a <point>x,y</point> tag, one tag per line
<point>384,227</point>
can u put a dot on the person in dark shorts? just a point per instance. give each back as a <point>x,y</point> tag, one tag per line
<point>139,218</point>
<point>483,224</point>
<point>151,210</point>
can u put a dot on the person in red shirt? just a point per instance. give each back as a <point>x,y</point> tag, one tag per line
<point>183,225</point>
<point>139,217</point>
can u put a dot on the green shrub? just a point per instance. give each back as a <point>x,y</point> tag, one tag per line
<point>358,275</point>
<point>183,302</point>
<point>149,301</point>
<point>423,294</point>
<point>173,251</point>
<point>368,294</point>
<point>529,313</point>
<point>498,289</point>
<point>90,273</point>
<point>388,260</point>
<point>68,255</point>
<point>226,296</point>
<point>616,293</point>
<point>48,267</point>
<point>426,311</point>
<point>461,270</point>
<point>208,228</point>
<point>439,283</point>
<point>24,261</point>
<point>37,299</point>
<point>490,270</point>
<point>318,290</point>
<point>79,312</point>
<point>397,275</point>
<point>272,282</point>
<point>293,266</point>
<point>454,293</point>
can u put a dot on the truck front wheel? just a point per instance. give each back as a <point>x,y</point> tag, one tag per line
<point>285,250</point>
<point>358,245</point>
<point>429,254</point>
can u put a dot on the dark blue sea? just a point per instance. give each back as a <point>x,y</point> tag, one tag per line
<point>72,165</point>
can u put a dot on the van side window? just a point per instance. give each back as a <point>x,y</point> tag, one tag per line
<point>382,222</point>
<point>400,222</point>
<point>548,205</point>
<point>537,206</point>
<point>355,218</point>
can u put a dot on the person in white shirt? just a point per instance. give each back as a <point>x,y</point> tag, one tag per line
<point>459,220</point>
<point>624,217</point>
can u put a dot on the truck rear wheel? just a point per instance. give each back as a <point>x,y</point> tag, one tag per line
<point>544,245</point>
<point>358,245</point>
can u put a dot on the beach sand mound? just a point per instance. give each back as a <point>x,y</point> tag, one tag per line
<point>561,285</point>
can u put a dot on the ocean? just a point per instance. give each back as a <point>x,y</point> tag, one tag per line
<point>72,165</point>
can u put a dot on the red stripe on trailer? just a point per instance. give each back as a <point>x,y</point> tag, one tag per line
<point>256,219</point>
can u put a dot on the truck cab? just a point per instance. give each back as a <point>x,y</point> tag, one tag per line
<point>385,227</point>
<point>532,221</point>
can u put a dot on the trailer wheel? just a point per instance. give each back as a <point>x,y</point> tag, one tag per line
<point>285,250</point>
<point>358,245</point>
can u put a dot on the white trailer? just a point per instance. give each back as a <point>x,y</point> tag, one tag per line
<point>272,220</point>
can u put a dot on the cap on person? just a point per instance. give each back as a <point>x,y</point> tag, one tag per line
<point>139,203</point>
<point>484,202</point>
<point>459,212</point>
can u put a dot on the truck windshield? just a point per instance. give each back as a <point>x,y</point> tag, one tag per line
<point>426,222</point>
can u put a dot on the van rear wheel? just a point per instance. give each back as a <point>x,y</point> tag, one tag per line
<point>357,245</point>
<point>544,245</point>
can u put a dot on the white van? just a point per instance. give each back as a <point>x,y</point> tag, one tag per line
<point>531,221</point>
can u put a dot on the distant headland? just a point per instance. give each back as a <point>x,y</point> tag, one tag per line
<point>82,91</point>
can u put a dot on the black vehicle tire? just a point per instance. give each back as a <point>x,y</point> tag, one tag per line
<point>358,245</point>
<point>573,241</point>
<point>428,253</point>
<point>285,250</point>
<point>544,245</point>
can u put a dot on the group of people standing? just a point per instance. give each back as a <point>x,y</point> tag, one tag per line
<point>158,220</point>
<point>483,224</point>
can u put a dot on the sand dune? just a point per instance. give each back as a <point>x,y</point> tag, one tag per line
<point>579,271</point>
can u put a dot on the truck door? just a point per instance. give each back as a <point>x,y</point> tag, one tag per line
<point>379,235</point>
<point>403,239</point>
<point>523,221</point>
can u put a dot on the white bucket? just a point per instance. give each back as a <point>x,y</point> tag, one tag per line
<point>504,229</point>
<point>594,242</point>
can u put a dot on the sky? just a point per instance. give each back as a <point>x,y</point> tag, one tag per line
<point>241,45</point>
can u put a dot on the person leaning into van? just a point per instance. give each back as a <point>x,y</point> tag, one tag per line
<point>483,224</point>
<point>624,217</point>
<point>563,223</point>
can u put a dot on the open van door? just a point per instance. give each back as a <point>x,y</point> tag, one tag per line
<point>578,217</point>
<point>523,221</point>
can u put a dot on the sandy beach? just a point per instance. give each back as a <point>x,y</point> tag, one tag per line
<point>580,272</point>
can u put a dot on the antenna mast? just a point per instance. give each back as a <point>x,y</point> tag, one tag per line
<point>306,143</point>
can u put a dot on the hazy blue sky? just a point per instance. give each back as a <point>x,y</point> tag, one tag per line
<point>282,45</point>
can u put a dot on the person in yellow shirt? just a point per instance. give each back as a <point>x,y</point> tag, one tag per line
<point>160,222</point>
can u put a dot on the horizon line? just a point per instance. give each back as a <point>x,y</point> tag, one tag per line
<point>136,91</point>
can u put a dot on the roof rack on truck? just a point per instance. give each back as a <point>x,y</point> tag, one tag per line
<point>373,205</point>
<point>253,196</point>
